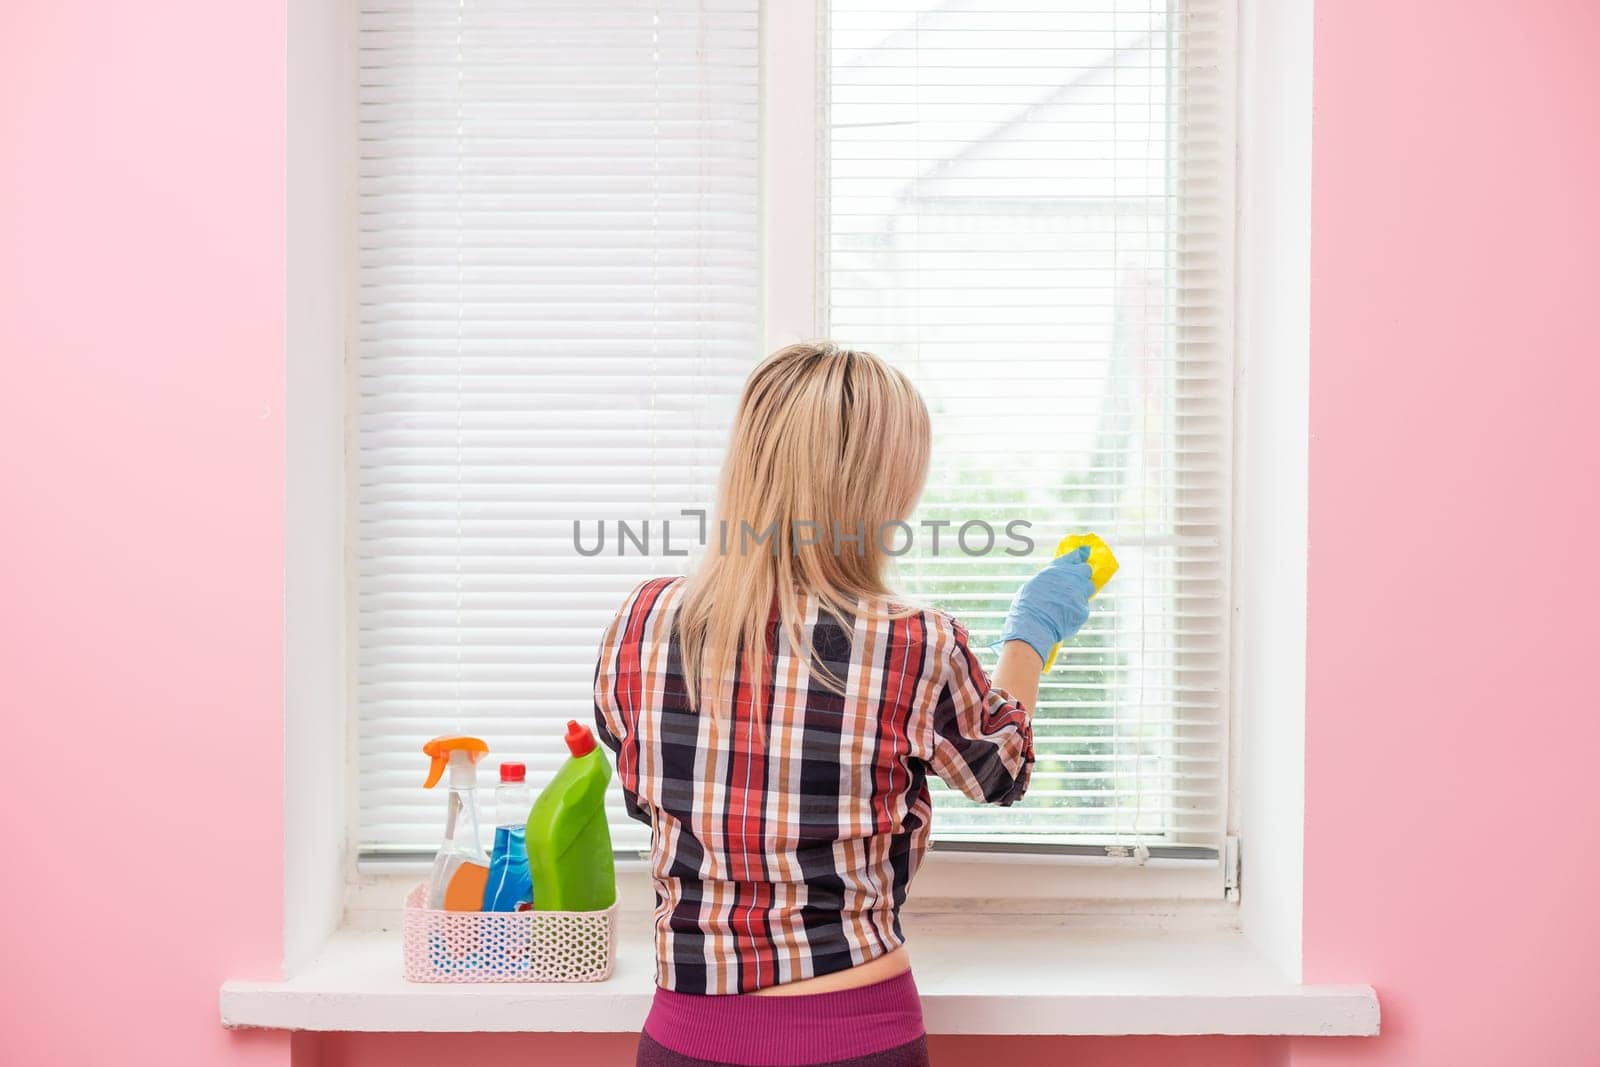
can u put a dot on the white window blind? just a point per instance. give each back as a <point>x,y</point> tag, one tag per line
<point>1026,210</point>
<point>558,296</point>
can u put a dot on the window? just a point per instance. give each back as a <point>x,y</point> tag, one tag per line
<point>1023,210</point>
<point>558,291</point>
<point>559,287</point>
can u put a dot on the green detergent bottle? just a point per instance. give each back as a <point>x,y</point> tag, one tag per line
<point>569,843</point>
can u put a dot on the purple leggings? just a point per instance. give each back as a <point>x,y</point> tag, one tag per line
<point>879,1025</point>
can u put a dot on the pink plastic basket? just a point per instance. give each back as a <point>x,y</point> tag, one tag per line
<point>509,946</point>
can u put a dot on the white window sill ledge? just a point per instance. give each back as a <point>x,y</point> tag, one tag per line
<point>1033,976</point>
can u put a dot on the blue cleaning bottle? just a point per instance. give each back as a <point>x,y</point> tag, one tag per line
<point>510,886</point>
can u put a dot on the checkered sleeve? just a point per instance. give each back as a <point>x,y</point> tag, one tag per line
<point>983,738</point>
<point>607,709</point>
<point>616,678</point>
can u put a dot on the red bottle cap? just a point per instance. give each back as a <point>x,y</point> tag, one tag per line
<point>513,772</point>
<point>580,739</point>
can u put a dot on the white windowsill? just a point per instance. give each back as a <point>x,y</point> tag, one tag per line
<point>1007,976</point>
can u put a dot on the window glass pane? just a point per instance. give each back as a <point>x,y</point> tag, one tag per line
<point>1022,211</point>
<point>558,276</point>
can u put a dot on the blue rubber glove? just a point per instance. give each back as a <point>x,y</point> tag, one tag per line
<point>1052,605</point>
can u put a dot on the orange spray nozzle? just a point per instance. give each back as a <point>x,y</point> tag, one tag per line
<point>439,750</point>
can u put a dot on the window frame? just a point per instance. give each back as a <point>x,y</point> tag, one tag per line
<point>1269,44</point>
<point>793,73</point>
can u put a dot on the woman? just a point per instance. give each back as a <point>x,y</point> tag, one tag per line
<point>775,716</point>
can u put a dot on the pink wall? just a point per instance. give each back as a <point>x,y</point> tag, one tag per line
<point>1455,459</point>
<point>141,321</point>
<point>141,258</point>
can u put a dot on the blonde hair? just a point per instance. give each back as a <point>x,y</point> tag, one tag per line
<point>829,446</point>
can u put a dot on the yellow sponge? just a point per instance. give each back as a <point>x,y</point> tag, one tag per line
<point>1102,565</point>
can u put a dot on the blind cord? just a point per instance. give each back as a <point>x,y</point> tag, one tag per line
<point>460,154</point>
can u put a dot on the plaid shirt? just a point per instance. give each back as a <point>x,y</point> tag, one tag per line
<point>784,851</point>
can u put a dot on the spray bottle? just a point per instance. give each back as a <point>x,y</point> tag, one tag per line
<point>461,869</point>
